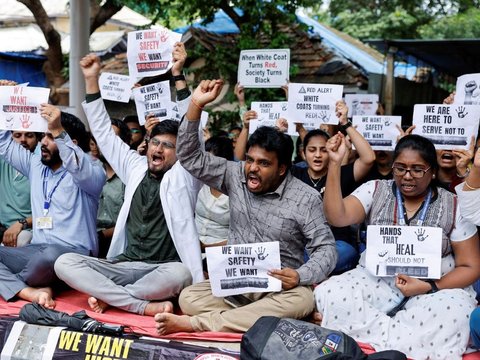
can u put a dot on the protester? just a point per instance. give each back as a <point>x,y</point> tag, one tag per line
<point>155,239</point>
<point>433,322</point>
<point>315,175</point>
<point>268,204</point>
<point>65,187</point>
<point>15,208</point>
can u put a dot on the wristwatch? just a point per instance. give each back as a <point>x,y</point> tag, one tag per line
<point>344,127</point>
<point>434,286</point>
<point>24,223</point>
<point>180,77</point>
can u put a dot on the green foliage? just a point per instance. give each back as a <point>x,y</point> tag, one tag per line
<point>460,26</point>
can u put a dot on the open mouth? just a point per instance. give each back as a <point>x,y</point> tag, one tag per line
<point>157,160</point>
<point>408,187</point>
<point>253,182</point>
<point>447,156</point>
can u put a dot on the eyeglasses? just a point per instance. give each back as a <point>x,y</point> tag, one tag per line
<point>415,172</point>
<point>165,144</point>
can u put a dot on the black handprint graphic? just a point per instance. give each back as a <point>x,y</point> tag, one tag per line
<point>261,253</point>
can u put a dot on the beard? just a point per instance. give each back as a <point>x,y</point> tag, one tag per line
<point>54,158</point>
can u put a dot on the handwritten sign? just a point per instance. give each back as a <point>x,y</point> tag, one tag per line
<point>411,250</point>
<point>264,68</point>
<point>380,131</point>
<point>361,104</point>
<point>115,87</point>
<point>447,126</point>
<point>239,269</point>
<point>268,114</point>
<point>468,90</point>
<point>149,52</point>
<point>153,99</point>
<point>313,103</point>
<point>20,109</point>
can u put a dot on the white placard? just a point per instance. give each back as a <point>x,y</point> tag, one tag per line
<point>264,68</point>
<point>149,52</point>
<point>468,90</point>
<point>204,119</point>
<point>175,115</point>
<point>313,103</point>
<point>21,108</point>
<point>411,250</point>
<point>239,269</point>
<point>361,104</point>
<point>381,132</point>
<point>447,126</point>
<point>267,115</point>
<point>154,99</point>
<point>115,87</point>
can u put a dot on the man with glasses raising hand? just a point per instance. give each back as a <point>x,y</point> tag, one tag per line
<point>155,250</point>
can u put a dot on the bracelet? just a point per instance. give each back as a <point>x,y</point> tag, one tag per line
<point>344,127</point>
<point>180,77</point>
<point>196,104</point>
<point>470,187</point>
<point>467,172</point>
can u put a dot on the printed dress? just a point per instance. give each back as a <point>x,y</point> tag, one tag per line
<point>433,326</point>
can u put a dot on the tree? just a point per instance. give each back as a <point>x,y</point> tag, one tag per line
<point>460,26</point>
<point>54,64</point>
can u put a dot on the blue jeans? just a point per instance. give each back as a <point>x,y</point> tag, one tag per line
<point>475,327</point>
<point>347,257</point>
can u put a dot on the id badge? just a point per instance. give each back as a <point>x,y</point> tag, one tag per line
<point>44,222</point>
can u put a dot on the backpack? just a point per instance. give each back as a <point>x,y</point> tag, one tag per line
<point>273,338</point>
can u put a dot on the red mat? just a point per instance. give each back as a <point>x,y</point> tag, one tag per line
<point>72,301</point>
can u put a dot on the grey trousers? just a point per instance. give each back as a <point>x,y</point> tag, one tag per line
<point>30,265</point>
<point>128,285</point>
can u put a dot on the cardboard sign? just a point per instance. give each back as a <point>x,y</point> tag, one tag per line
<point>264,68</point>
<point>411,250</point>
<point>149,52</point>
<point>380,131</point>
<point>115,87</point>
<point>361,104</point>
<point>313,103</point>
<point>467,90</point>
<point>154,99</point>
<point>447,126</point>
<point>239,269</point>
<point>20,109</point>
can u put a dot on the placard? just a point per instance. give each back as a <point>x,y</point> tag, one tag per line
<point>381,132</point>
<point>115,87</point>
<point>153,99</point>
<point>267,115</point>
<point>447,126</point>
<point>361,104</point>
<point>309,103</point>
<point>21,108</point>
<point>149,51</point>
<point>467,90</point>
<point>415,251</point>
<point>264,68</point>
<point>239,269</point>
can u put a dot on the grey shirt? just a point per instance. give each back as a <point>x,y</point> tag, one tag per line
<point>292,214</point>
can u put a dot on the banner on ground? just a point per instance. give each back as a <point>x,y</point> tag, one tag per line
<point>264,68</point>
<point>149,51</point>
<point>381,132</point>
<point>153,99</point>
<point>309,103</point>
<point>239,269</point>
<point>411,250</point>
<point>115,87</point>
<point>361,104</point>
<point>468,90</point>
<point>447,126</point>
<point>20,108</point>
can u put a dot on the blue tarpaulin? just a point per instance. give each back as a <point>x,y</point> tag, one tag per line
<point>23,67</point>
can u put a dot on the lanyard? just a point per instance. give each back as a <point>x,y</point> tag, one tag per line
<point>401,212</point>
<point>48,196</point>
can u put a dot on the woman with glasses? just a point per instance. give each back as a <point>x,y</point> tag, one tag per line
<point>423,318</point>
